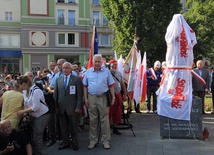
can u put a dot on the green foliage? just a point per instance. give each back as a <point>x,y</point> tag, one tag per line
<point>148,18</point>
<point>201,19</point>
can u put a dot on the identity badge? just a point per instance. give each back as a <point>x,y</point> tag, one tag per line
<point>72,90</point>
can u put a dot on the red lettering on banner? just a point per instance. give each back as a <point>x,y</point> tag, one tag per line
<point>170,91</point>
<point>183,43</point>
<point>192,31</point>
<point>177,39</point>
<point>178,96</point>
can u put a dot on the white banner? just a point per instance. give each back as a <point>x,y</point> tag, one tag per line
<point>175,94</point>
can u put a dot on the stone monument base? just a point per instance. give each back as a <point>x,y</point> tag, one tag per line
<point>173,128</point>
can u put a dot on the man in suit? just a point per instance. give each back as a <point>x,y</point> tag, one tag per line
<point>68,95</point>
<point>199,88</point>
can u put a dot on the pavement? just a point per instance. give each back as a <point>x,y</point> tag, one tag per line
<point>147,141</point>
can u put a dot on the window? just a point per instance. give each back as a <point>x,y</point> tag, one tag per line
<point>95,2</point>
<point>71,18</point>
<point>61,19</point>
<point>105,40</point>
<point>96,17</point>
<point>14,41</point>
<point>10,40</point>
<point>71,1</point>
<point>61,1</point>
<point>66,1</point>
<point>61,39</point>
<point>69,39</point>
<point>4,40</point>
<point>8,16</point>
<point>105,22</point>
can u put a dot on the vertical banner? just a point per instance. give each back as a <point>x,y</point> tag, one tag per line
<point>143,86</point>
<point>138,79</point>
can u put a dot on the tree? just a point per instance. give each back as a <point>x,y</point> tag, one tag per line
<point>200,16</point>
<point>149,17</point>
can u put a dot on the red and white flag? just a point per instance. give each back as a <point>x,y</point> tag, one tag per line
<point>140,82</point>
<point>93,47</point>
<point>130,86</point>
<point>137,79</point>
<point>143,86</point>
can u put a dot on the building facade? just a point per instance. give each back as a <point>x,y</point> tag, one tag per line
<point>35,32</point>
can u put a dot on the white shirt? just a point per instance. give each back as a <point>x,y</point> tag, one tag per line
<point>33,101</point>
<point>50,76</point>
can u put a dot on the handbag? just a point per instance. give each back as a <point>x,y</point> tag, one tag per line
<point>109,98</point>
<point>25,124</point>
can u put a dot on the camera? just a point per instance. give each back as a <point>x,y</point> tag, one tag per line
<point>45,78</point>
<point>15,144</point>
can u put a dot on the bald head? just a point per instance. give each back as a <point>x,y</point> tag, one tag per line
<point>5,127</point>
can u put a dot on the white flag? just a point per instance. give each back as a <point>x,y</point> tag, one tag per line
<point>120,65</point>
<point>131,82</point>
<point>137,86</point>
<point>115,55</point>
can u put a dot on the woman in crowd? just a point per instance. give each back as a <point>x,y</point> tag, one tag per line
<point>36,107</point>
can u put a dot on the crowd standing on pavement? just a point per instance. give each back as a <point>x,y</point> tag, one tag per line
<point>64,97</point>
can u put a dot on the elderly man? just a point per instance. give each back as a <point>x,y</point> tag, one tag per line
<point>153,76</point>
<point>52,65</point>
<point>199,88</point>
<point>97,81</point>
<point>115,112</point>
<point>13,141</point>
<point>68,95</point>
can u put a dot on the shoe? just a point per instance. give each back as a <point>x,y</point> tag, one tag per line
<point>147,111</point>
<point>60,142</point>
<point>138,111</point>
<point>75,147</point>
<point>62,147</point>
<point>91,146</point>
<point>50,143</point>
<point>116,132</point>
<point>155,112</point>
<point>106,146</point>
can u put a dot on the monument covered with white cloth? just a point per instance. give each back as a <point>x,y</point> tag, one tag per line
<point>175,98</point>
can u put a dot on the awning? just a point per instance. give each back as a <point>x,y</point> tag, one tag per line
<point>10,53</point>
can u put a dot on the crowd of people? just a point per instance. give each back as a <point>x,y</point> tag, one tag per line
<point>62,96</point>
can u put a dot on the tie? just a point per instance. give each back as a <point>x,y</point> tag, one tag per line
<point>65,82</point>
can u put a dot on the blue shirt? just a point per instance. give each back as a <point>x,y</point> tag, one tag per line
<point>53,81</point>
<point>98,82</point>
<point>150,81</point>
